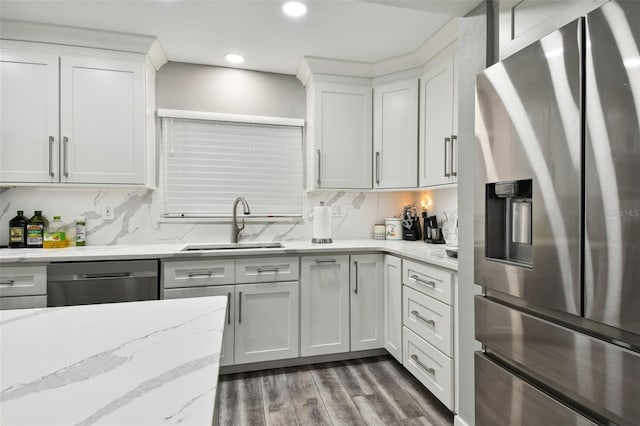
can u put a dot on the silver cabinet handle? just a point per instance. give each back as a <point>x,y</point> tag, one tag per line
<point>240,308</point>
<point>260,270</point>
<point>326,261</point>
<point>446,140</point>
<point>454,172</point>
<point>51,142</point>
<point>431,284</point>
<point>378,167</point>
<point>355,290</point>
<point>425,319</point>
<point>7,282</point>
<point>65,156</point>
<point>229,308</point>
<point>421,364</point>
<point>199,274</point>
<point>318,170</point>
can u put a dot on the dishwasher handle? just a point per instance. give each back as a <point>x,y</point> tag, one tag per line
<point>100,276</point>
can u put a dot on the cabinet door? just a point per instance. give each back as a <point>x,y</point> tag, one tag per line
<point>366,302</point>
<point>395,134</point>
<point>324,305</point>
<point>29,115</point>
<point>226,352</point>
<point>102,120</point>
<point>393,306</point>
<point>343,115</point>
<point>437,140</point>
<point>266,322</point>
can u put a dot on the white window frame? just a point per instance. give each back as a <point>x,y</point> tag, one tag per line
<point>223,117</point>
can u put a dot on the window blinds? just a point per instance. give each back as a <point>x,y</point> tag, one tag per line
<point>207,164</point>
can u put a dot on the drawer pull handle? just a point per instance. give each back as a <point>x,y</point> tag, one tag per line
<point>326,261</point>
<point>421,364</point>
<point>7,282</point>
<point>431,284</point>
<point>425,319</point>
<point>200,274</point>
<point>260,270</point>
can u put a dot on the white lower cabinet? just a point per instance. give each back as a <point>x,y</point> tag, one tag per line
<point>366,302</point>
<point>429,318</point>
<point>430,366</point>
<point>226,352</point>
<point>393,306</point>
<point>324,305</point>
<point>266,322</point>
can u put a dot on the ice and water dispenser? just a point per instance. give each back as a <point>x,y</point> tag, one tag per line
<point>509,222</point>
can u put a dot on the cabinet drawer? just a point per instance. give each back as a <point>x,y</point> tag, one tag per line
<point>429,280</point>
<point>23,280</point>
<point>23,302</point>
<point>265,269</point>
<point>429,319</point>
<point>194,273</point>
<point>430,366</point>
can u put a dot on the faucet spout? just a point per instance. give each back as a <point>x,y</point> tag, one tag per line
<point>235,228</point>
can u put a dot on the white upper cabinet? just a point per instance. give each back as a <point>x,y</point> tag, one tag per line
<point>395,134</point>
<point>102,120</point>
<point>438,125</point>
<point>341,135</point>
<point>71,115</point>
<point>29,112</point>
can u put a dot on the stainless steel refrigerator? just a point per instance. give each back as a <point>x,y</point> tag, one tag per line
<point>557,227</point>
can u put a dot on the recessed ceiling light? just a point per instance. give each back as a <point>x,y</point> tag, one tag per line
<point>234,58</point>
<point>294,9</point>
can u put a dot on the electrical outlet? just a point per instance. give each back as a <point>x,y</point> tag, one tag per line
<point>336,211</point>
<point>107,212</point>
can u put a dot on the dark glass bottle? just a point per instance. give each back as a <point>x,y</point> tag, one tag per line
<point>18,231</point>
<point>35,230</point>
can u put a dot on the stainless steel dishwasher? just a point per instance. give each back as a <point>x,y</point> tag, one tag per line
<point>83,283</point>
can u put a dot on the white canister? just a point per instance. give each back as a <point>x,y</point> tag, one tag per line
<point>379,231</point>
<point>393,228</point>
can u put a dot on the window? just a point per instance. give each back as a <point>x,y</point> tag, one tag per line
<point>207,163</point>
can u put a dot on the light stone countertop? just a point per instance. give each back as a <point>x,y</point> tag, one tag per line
<point>415,250</point>
<point>134,363</point>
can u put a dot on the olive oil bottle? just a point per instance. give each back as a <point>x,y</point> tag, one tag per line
<point>35,230</point>
<point>18,231</point>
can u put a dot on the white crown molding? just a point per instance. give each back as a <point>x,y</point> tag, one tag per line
<point>82,37</point>
<point>408,64</point>
<point>157,56</point>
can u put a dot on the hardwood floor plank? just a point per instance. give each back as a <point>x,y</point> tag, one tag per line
<point>340,407</point>
<point>249,407</point>
<point>278,405</point>
<point>416,421</point>
<point>376,410</point>
<point>308,404</point>
<point>435,412</point>
<point>227,396</point>
<point>353,379</point>
<point>388,388</point>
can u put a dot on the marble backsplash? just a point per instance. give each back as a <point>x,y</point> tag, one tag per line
<point>137,215</point>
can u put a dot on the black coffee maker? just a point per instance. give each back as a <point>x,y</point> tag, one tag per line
<point>432,232</point>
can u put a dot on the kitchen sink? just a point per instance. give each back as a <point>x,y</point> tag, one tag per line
<point>231,246</point>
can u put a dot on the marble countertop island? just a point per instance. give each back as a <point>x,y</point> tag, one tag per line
<point>135,363</point>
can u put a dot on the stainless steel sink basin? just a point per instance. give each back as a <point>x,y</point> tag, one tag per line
<point>231,246</point>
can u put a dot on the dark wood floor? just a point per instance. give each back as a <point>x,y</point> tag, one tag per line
<point>371,391</point>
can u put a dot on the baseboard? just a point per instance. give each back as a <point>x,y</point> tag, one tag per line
<point>458,421</point>
<point>294,362</point>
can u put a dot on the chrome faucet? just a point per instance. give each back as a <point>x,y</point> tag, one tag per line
<point>236,228</point>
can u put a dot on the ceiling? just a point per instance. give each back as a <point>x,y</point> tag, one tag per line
<point>203,31</point>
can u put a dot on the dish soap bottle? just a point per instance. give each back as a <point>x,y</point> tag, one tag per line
<point>54,234</point>
<point>81,231</point>
<point>18,231</point>
<point>35,230</point>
